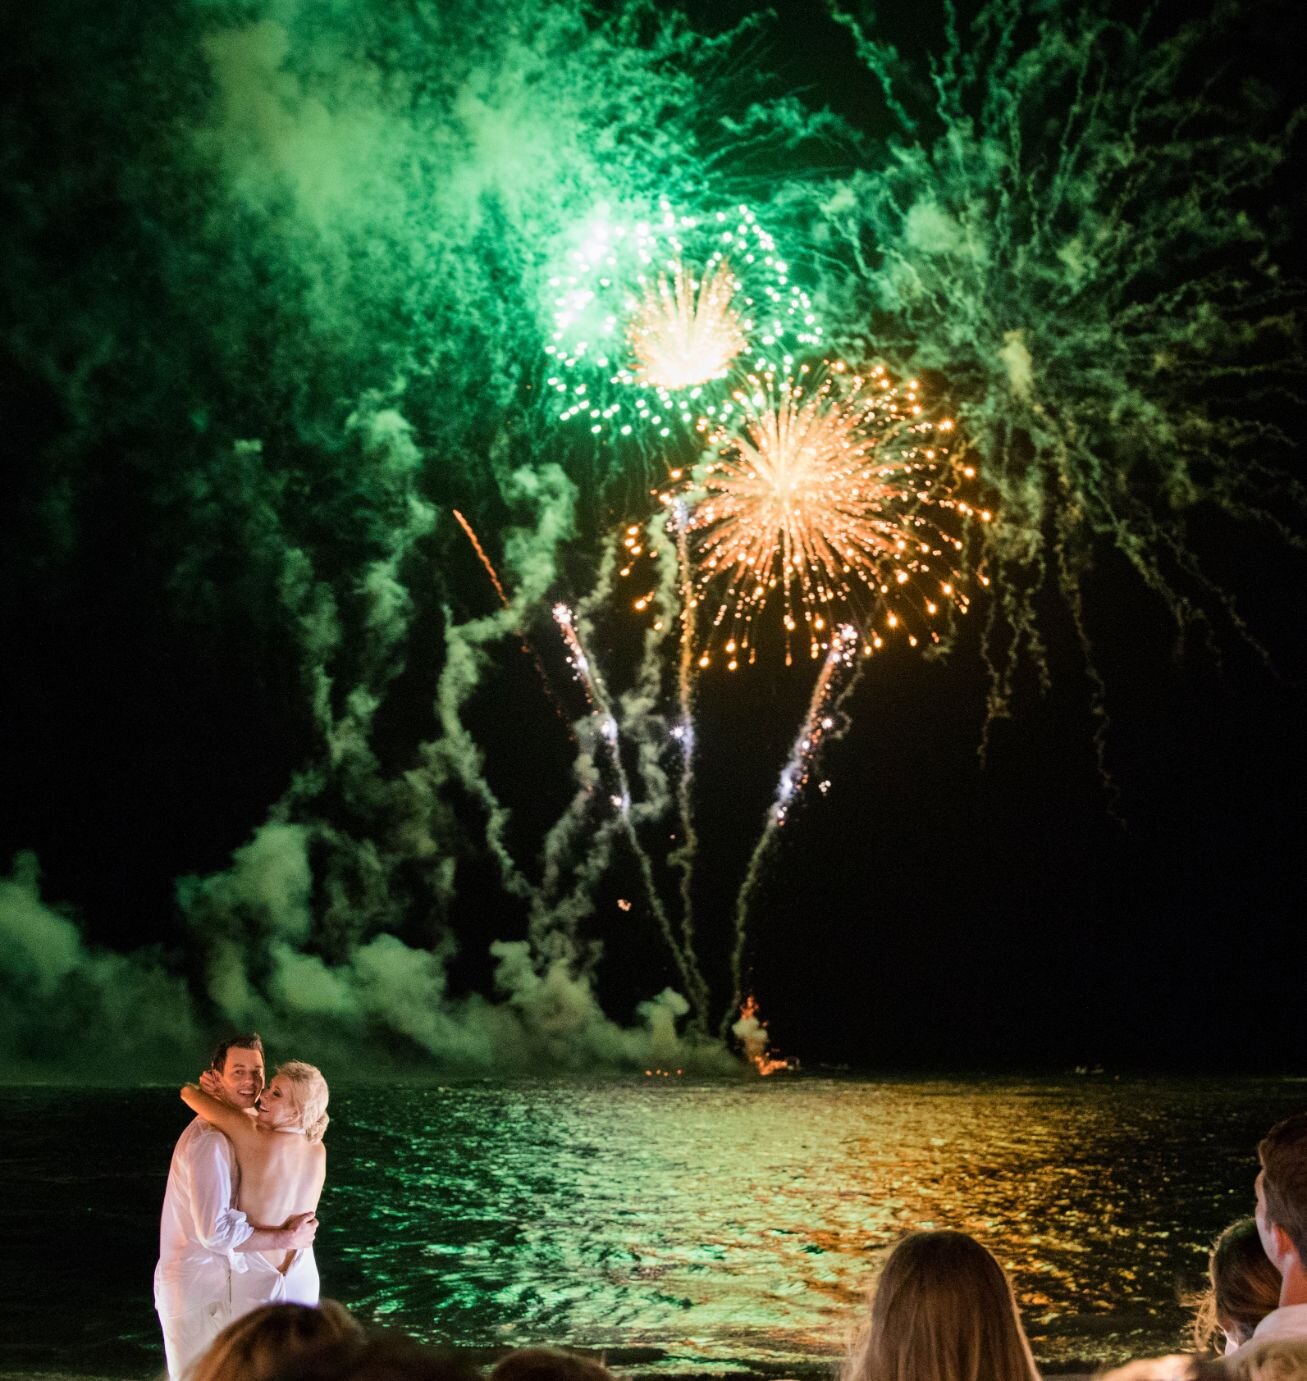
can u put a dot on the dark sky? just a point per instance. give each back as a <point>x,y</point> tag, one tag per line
<point>926,911</point>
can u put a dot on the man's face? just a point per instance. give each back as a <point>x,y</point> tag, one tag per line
<point>242,1077</point>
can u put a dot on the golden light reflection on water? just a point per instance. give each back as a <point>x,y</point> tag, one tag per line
<point>736,1225</point>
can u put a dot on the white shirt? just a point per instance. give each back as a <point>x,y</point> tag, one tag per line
<point>201,1225</point>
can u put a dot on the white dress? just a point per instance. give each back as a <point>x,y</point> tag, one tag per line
<point>262,1282</point>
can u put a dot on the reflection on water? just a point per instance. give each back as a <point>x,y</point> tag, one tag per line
<point>684,1226</point>
<point>734,1224</point>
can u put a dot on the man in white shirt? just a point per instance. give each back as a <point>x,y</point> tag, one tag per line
<point>202,1234</point>
<point>1282,1225</point>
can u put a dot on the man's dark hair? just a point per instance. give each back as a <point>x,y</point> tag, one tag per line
<point>250,1042</point>
<point>1283,1154</point>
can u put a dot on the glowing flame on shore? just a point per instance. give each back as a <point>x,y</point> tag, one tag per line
<point>752,1035</point>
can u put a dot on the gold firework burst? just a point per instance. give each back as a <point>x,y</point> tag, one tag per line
<point>685,333</point>
<point>827,496</point>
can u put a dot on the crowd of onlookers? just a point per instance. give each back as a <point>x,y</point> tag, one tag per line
<point>942,1309</point>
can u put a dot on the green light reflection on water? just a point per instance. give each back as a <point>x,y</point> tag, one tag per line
<point>705,1224</point>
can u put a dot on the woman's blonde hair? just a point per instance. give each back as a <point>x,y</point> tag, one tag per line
<point>1281,1359</point>
<point>1245,1287</point>
<point>260,1345</point>
<point>943,1309</point>
<point>310,1096</point>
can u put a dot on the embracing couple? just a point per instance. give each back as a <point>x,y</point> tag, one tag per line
<point>239,1213</point>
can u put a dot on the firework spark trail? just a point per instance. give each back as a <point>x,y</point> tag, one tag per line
<point>683,856</point>
<point>524,642</point>
<point>653,731</point>
<point>645,723</point>
<point>481,555</point>
<point>830,493</point>
<point>605,723</point>
<point>823,722</point>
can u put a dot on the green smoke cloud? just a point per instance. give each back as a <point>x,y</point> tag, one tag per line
<point>284,296</point>
<point>310,319</point>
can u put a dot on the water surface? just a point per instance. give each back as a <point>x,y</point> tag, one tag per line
<point>684,1226</point>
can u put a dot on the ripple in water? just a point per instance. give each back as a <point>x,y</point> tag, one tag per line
<point>709,1225</point>
<point>682,1226</point>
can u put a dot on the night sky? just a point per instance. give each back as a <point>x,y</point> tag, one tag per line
<point>272,309</point>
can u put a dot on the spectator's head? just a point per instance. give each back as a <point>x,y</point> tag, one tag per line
<point>238,1063</point>
<point>943,1309</point>
<point>1176,1367</point>
<point>1244,1288</point>
<point>1277,1360</point>
<point>389,1357</point>
<point>548,1364</point>
<point>297,1097</point>
<point>1282,1195</point>
<point>259,1345</point>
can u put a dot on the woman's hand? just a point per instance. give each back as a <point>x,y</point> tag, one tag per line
<point>211,1084</point>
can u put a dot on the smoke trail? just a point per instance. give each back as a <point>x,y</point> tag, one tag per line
<point>608,731</point>
<point>531,556</point>
<point>644,723</point>
<point>823,722</point>
<point>682,858</point>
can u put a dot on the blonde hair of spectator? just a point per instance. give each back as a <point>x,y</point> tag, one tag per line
<point>259,1345</point>
<point>310,1092</point>
<point>1244,1288</point>
<point>1279,1360</point>
<point>943,1308</point>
